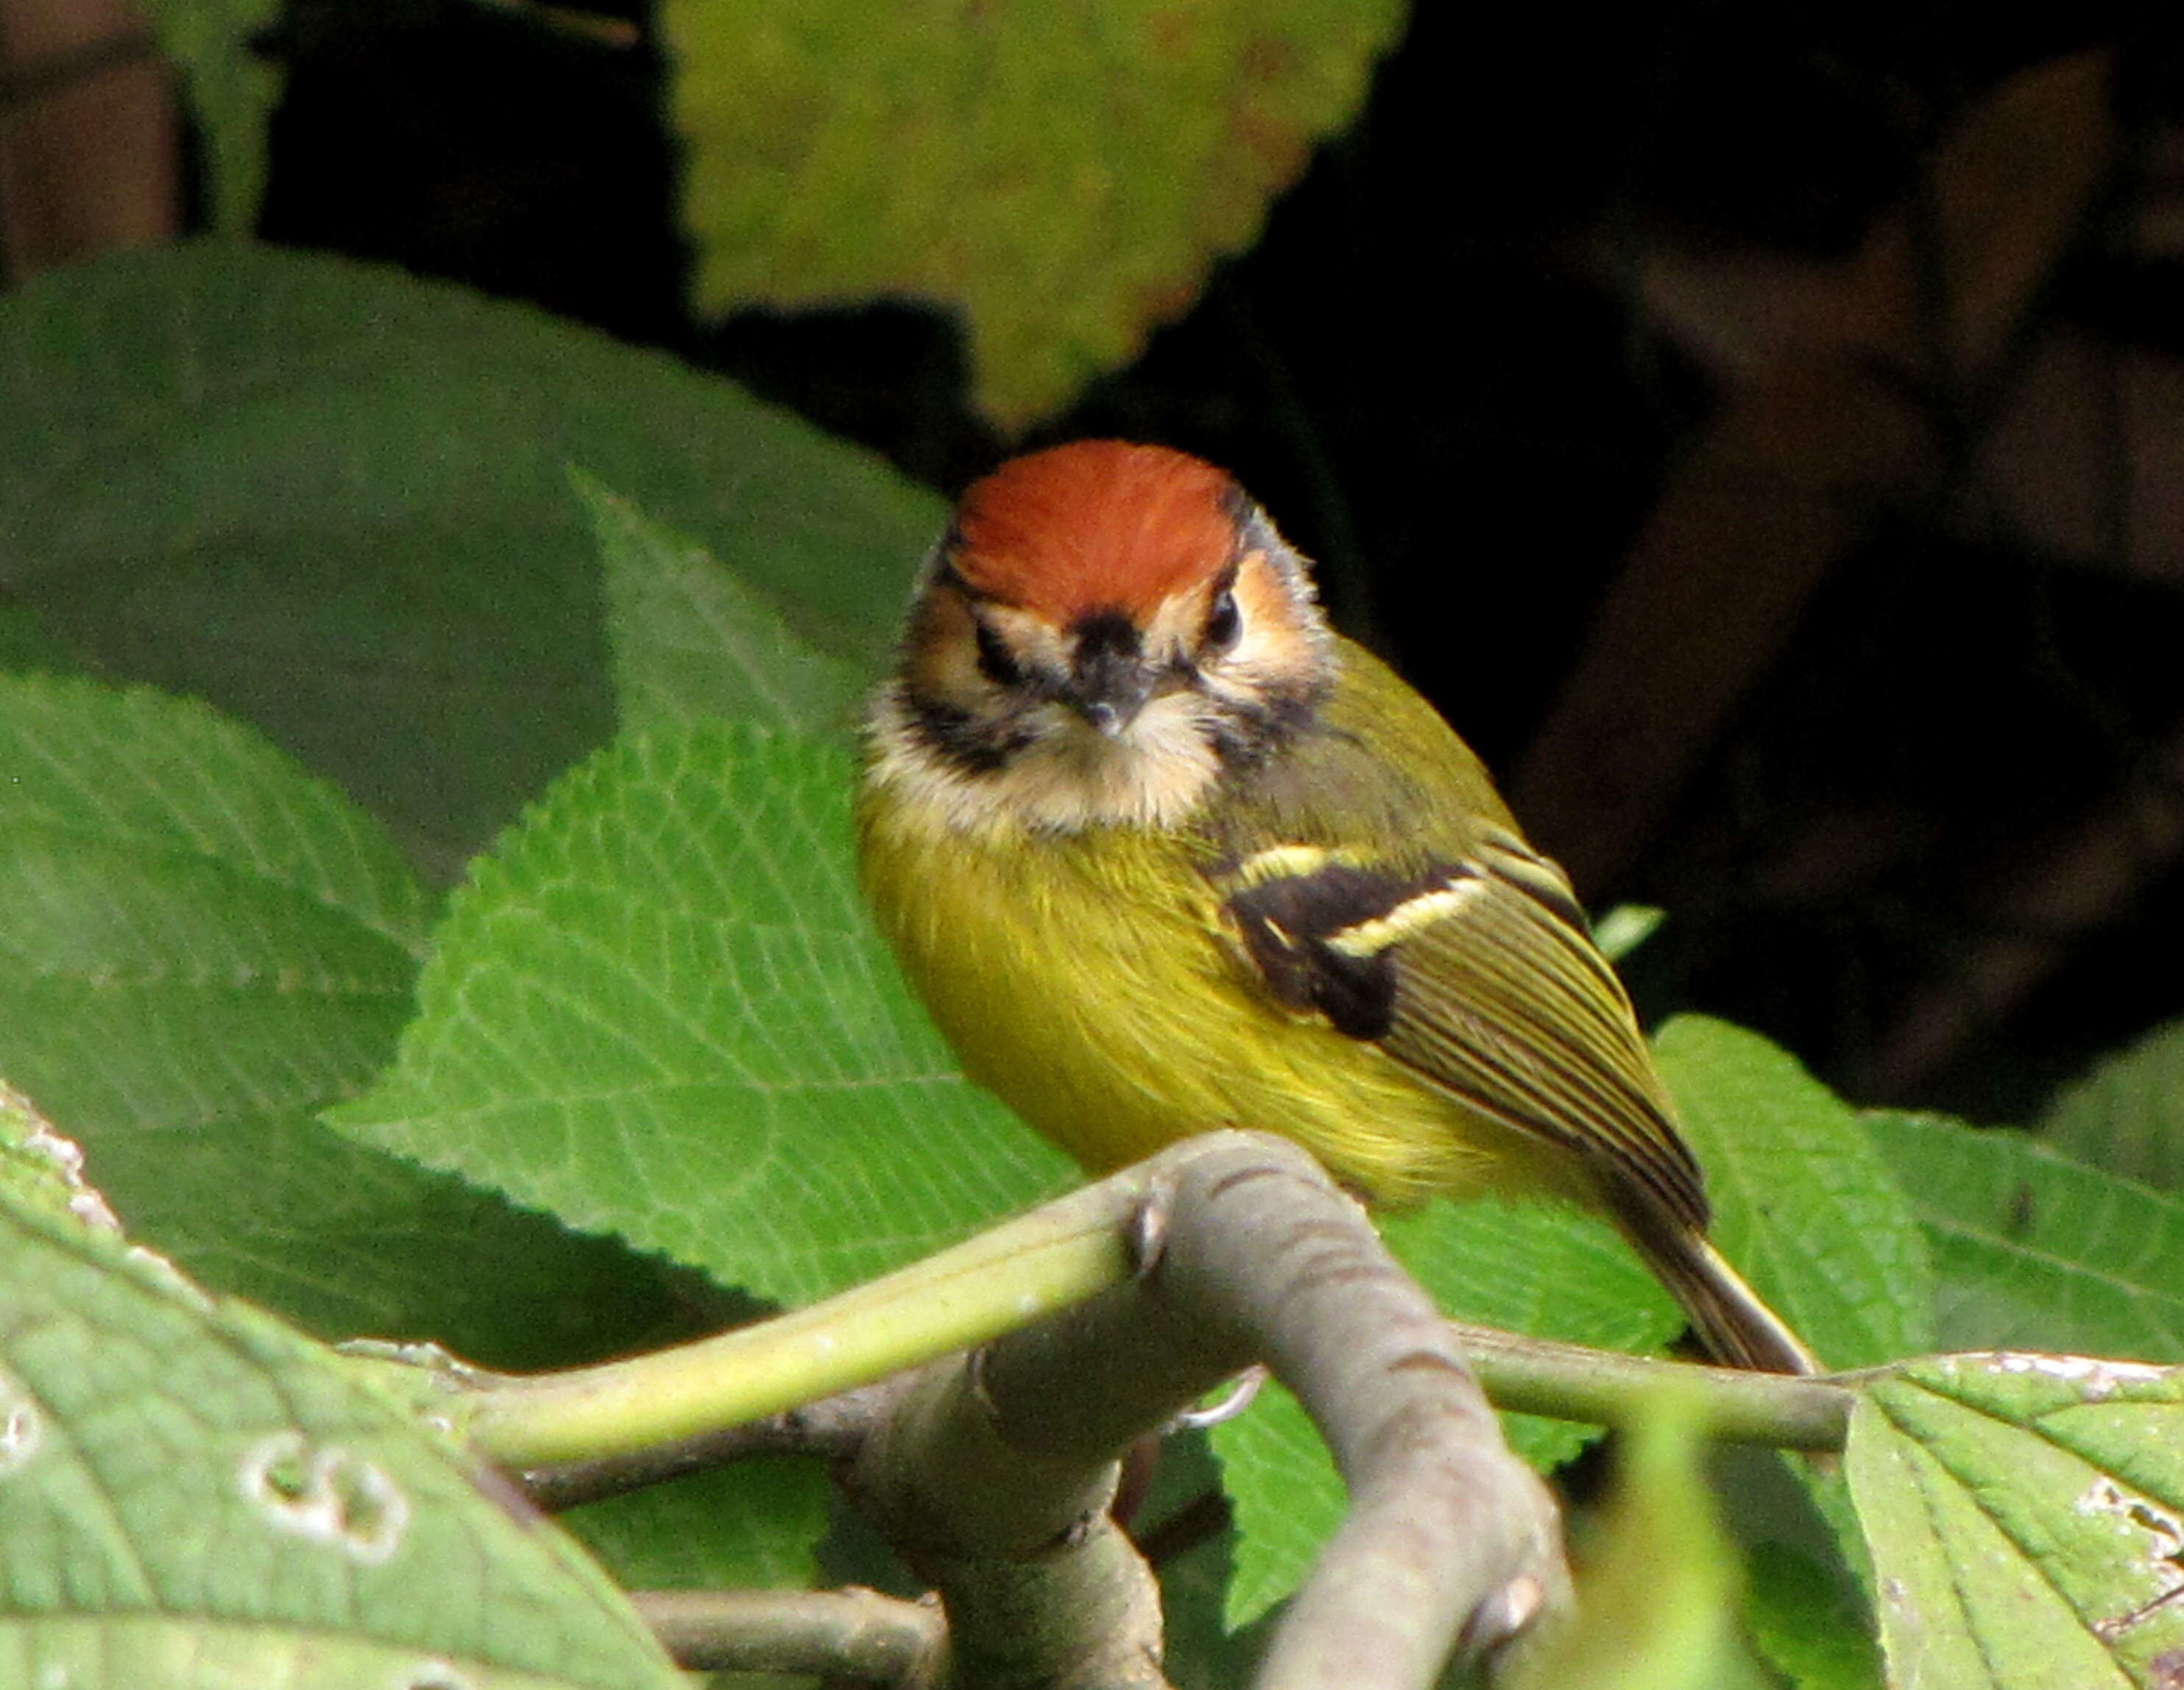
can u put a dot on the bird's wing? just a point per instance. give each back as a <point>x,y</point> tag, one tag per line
<point>1478,973</point>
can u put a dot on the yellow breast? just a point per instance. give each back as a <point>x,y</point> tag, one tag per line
<point>1086,980</point>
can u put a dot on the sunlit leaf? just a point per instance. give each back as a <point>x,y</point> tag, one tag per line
<point>2036,1251</point>
<point>1806,1206</point>
<point>659,1010</point>
<point>2026,1516</point>
<point>1065,172</point>
<point>189,1494</point>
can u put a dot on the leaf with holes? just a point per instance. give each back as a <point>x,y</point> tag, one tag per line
<point>2026,1519</point>
<point>40,1167</point>
<point>190,1493</point>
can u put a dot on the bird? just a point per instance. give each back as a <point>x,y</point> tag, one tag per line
<point>1162,853</point>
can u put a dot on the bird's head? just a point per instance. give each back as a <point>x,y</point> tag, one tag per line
<point>1105,631</point>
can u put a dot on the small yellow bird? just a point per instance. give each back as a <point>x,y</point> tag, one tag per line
<point>1162,853</point>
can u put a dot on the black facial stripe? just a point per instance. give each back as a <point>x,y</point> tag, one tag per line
<point>973,744</point>
<point>1286,923</point>
<point>995,661</point>
<point>1248,731</point>
<point>1106,635</point>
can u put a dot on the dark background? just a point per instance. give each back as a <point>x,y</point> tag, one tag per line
<point>1437,371</point>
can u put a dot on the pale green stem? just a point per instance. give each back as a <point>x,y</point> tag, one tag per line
<point>1020,1271</point>
<point>1568,1382</point>
<point>1026,1269</point>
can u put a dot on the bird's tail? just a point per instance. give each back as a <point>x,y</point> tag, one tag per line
<point>1737,1328</point>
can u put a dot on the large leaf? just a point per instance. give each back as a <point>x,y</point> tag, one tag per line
<point>687,639</point>
<point>2036,1251</point>
<point>2127,1115</point>
<point>659,1010</point>
<point>749,1526</point>
<point>191,1495</point>
<point>1804,1204</point>
<point>200,946</point>
<point>1064,171</point>
<point>333,500</point>
<point>2026,1516</point>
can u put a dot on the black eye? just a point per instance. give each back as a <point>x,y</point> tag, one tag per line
<point>1223,622</point>
<point>994,662</point>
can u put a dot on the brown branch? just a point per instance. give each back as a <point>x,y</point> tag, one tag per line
<point>994,1477</point>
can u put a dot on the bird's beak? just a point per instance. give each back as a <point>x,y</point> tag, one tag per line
<point>1110,680</point>
<point>1109,691</point>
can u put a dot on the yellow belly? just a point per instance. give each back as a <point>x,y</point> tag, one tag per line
<point>1085,981</point>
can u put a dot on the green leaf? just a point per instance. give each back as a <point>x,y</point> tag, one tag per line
<point>687,639</point>
<point>2036,1251</point>
<point>1287,1497</point>
<point>1804,1204</point>
<point>1656,1583</point>
<point>1541,1269</point>
<point>191,1494</point>
<point>2127,1115</point>
<point>1528,1268</point>
<point>25,647</point>
<point>1181,1518</point>
<point>1626,927</point>
<point>658,1009</point>
<point>233,90</point>
<point>187,921</point>
<point>333,501</point>
<point>38,1166</point>
<point>2026,1516</point>
<point>753,1526</point>
<point>200,945</point>
<point>347,1241</point>
<point>1805,1623</point>
<point>1064,173</point>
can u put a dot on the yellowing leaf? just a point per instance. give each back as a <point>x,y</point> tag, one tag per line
<point>1656,1589</point>
<point>2026,1516</point>
<point>1063,172</point>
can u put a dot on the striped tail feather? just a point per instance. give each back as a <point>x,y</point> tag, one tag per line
<point>1737,1328</point>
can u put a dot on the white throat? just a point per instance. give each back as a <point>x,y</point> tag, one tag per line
<point>1154,774</point>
